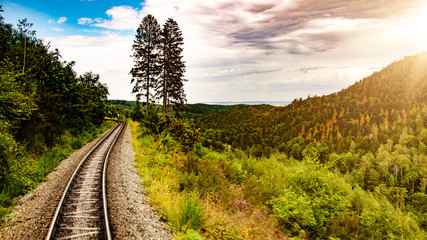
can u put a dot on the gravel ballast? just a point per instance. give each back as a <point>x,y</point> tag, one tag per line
<point>131,216</point>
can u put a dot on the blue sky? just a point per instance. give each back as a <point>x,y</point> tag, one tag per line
<point>236,50</point>
<point>46,14</point>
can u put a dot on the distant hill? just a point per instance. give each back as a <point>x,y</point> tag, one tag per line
<point>389,104</point>
<point>273,103</point>
<point>196,110</point>
<point>122,103</point>
<point>201,110</point>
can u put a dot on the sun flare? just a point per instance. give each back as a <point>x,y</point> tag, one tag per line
<point>417,26</point>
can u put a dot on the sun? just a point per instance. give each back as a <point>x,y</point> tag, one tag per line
<point>417,26</point>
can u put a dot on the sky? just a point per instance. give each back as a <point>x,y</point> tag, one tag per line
<point>236,50</point>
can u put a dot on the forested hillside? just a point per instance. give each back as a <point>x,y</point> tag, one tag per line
<point>43,103</point>
<point>390,104</point>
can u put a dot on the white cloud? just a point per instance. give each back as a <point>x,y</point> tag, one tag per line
<point>122,18</point>
<point>240,50</point>
<point>254,50</point>
<point>107,55</point>
<point>58,21</point>
<point>62,20</point>
<point>88,21</point>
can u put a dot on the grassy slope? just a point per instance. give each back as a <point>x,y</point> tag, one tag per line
<point>173,190</point>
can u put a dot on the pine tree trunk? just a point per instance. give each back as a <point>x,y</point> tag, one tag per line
<point>148,95</point>
<point>165,94</point>
<point>25,52</point>
<point>148,85</point>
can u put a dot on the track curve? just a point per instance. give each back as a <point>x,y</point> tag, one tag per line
<point>82,212</point>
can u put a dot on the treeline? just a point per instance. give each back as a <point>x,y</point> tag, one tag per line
<point>41,100</point>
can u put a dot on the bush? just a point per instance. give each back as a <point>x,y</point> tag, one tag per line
<point>294,212</point>
<point>182,133</point>
<point>153,122</point>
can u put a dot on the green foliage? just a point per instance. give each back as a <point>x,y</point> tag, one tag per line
<point>152,121</point>
<point>200,110</point>
<point>350,165</point>
<point>191,234</point>
<point>184,134</point>
<point>192,111</point>
<point>15,106</point>
<point>122,103</point>
<point>294,212</point>
<point>93,95</point>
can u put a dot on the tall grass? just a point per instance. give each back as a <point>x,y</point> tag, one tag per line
<point>27,171</point>
<point>197,193</point>
<point>188,213</point>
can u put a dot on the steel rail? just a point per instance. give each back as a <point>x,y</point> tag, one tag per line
<point>104,183</point>
<point>54,221</point>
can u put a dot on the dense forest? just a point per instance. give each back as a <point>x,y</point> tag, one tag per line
<point>349,165</point>
<point>43,103</point>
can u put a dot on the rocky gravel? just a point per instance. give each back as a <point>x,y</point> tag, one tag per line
<point>131,216</point>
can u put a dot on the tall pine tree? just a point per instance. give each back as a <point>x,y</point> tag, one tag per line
<point>146,55</point>
<point>171,85</point>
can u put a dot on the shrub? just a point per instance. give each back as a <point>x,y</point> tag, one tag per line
<point>293,212</point>
<point>153,122</point>
<point>184,134</point>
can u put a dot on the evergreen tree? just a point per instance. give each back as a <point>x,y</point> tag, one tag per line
<point>146,55</point>
<point>171,86</point>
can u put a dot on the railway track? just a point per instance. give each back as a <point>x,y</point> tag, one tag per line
<point>82,211</point>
